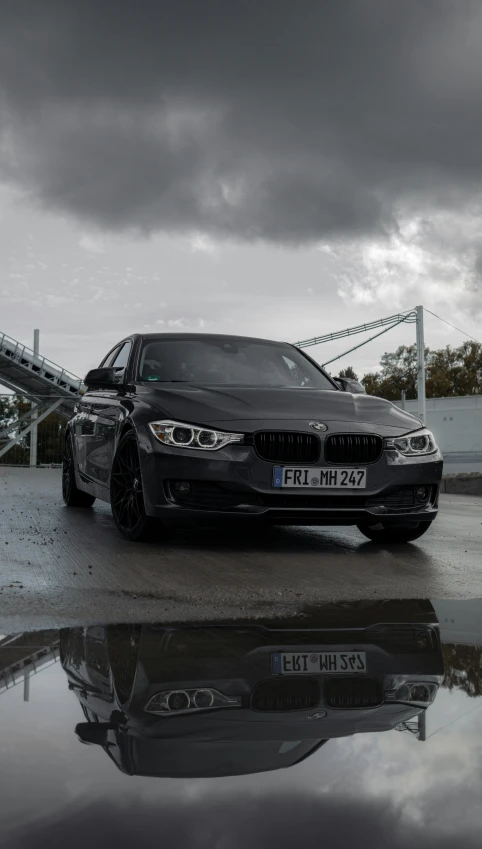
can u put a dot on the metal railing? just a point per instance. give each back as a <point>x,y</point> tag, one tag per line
<point>34,663</point>
<point>41,366</point>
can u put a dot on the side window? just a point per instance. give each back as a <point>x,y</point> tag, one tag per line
<point>122,358</point>
<point>108,360</point>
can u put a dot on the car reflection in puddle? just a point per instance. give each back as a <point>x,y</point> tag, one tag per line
<point>228,700</point>
<point>190,727</point>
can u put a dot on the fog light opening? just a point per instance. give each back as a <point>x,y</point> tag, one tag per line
<point>422,493</point>
<point>420,693</point>
<point>182,489</point>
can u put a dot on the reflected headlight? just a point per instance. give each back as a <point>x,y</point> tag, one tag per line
<point>188,701</point>
<point>180,435</point>
<point>417,443</point>
<point>418,692</point>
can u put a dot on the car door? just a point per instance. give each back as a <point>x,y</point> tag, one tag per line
<point>83,425</point>
<point>104,413</point>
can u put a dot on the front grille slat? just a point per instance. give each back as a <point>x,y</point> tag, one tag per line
<point>286,694</point>
<point>353,449</point>
<point>285,447</point>
<point>347,693</point>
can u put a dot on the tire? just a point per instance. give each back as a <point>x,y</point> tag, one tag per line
<point>387,534</point>
<point>126,494</point>
<point>73,497</point>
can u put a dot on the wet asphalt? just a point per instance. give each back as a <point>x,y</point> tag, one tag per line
<point>63,566</point>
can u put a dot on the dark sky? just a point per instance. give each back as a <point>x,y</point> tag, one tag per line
<point>266,167</point>
<point>270,120</point>
<point>281,822</point>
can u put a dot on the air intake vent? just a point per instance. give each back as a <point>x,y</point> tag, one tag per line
<point>286,694</point>
<point>285,447</point>
<point>344,693</point>
<point>353,449</point>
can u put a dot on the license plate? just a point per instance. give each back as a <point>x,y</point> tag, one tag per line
<point>334,662</point>
<point>286,476</point>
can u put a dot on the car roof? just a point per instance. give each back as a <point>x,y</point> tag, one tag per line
<point>204,336</point>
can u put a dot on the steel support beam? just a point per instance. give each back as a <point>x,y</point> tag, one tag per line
<point>421,366</point>
<point>361,328</point>
<point>26,686</point>
<point>27,415</point>
<point>30,426</point>
<point>34,430</point>
<point>17,389</point>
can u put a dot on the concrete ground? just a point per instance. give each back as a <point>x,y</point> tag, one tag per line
<point>63,566</point>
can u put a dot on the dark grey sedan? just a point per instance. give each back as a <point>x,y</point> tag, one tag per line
<point>220,700</point>
<point>204,428</point>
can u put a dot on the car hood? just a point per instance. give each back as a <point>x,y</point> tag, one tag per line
<point>250,407</point>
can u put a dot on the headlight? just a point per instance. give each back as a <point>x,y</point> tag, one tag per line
<point>189,701</point>
<point>417,443</point>
<point>180,435</point>
<point>419,692</point>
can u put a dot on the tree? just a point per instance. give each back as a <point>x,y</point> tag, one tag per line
<point>50,433</point>
<point>449,371</point>
<point>50,439</point>
<point>349,373</point>
<point>398,372</point>
<point>454,371</point>
<point>11,408</point>
<point>463,668</point>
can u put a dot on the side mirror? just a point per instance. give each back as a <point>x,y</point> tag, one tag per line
<point>347,384</point>
<point>103,378</point>
<point>94,733</point>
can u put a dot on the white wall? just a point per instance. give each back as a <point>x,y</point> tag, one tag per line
<point>457,425</point>
<point>460,620</point>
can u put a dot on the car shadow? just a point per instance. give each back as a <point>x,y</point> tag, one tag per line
<point>290,539</point>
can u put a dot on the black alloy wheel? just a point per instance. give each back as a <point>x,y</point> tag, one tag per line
<point>73,497</point>
<point>126,496</point>
<point>384,533</point>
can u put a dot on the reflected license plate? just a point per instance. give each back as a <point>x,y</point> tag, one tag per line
<point>319,478</point>
<point>335,662</point>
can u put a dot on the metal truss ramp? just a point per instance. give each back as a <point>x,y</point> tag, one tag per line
<point>48,386</point>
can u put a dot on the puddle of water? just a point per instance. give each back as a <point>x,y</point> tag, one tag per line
<point>358,716</point>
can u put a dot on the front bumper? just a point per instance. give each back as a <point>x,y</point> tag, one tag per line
<point>236,484</point>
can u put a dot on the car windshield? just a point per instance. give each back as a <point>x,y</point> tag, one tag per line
<point>229,361</point>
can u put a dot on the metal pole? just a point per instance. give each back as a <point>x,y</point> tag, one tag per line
<point>404,398</point>
<point>422,727</point>
<point>420,365</point>
<point>26,687</point>
<point>34,431</point>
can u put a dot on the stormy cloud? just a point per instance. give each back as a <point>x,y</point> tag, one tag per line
<point>282,821</point>
<point>277,121</point>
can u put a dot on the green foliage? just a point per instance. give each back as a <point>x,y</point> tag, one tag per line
<point>50,433</point>
<point>449,371</point>
<point>463,668</point>
<point>11,408</point>
<point>348,373</point>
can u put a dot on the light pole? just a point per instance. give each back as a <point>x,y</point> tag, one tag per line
<point>34,432</point>
<point>420,365</point>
